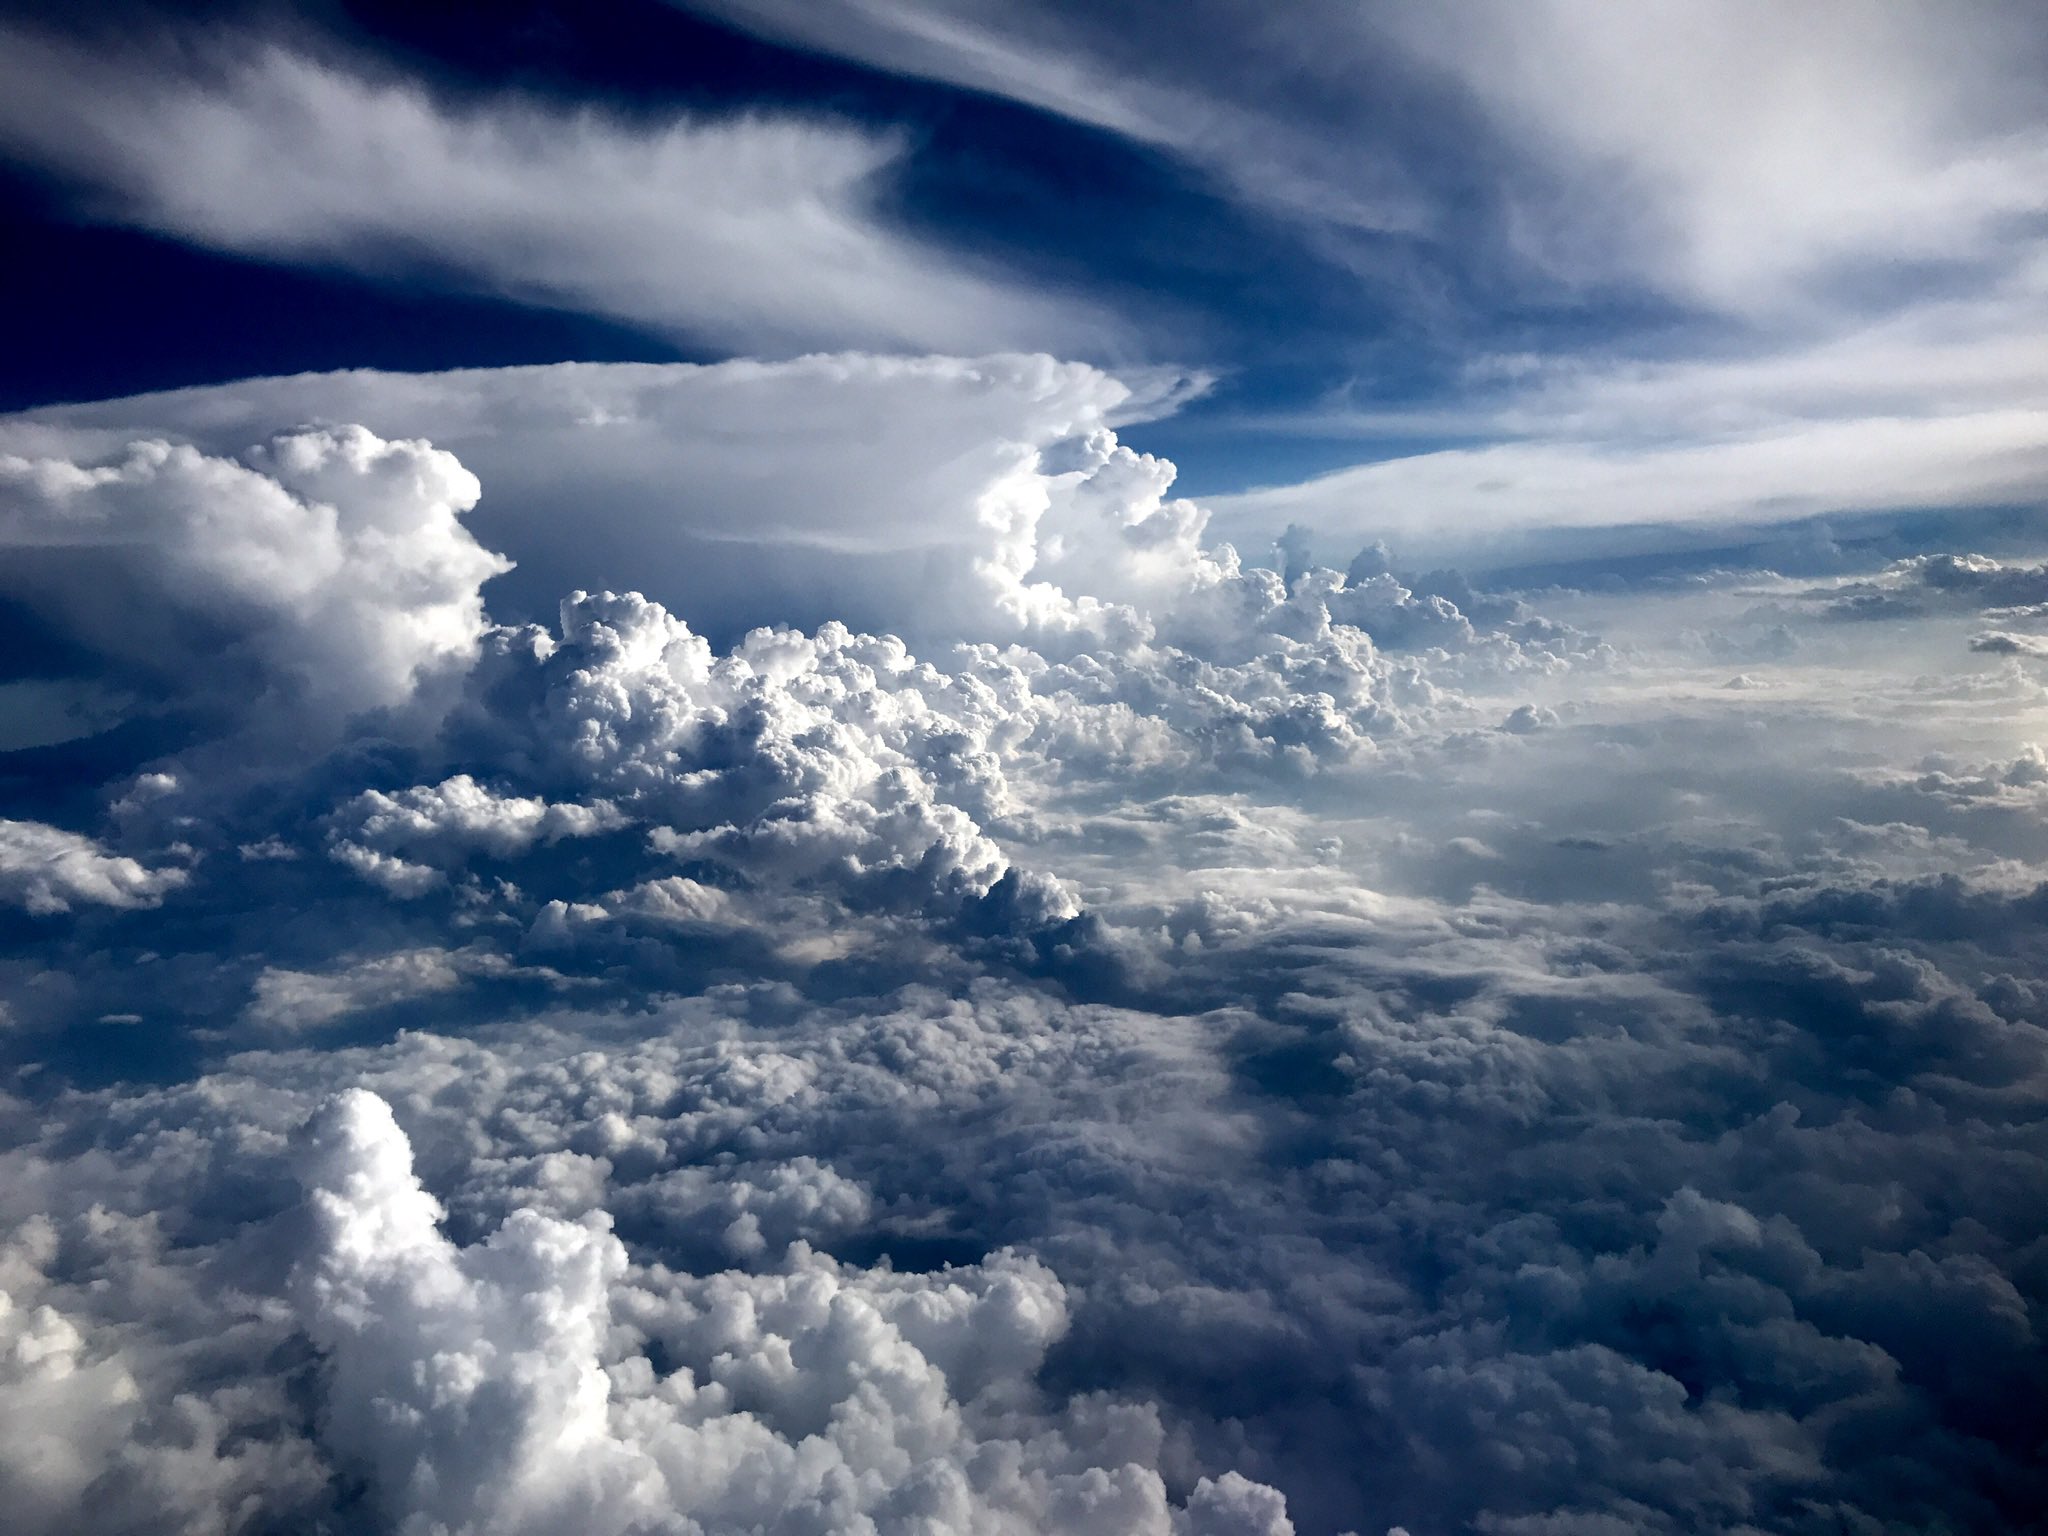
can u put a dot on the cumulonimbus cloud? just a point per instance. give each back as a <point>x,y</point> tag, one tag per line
<point>1177,1046</point>
<point>849,486</point>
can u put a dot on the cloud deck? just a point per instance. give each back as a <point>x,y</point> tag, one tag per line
<point>1190,1050</point>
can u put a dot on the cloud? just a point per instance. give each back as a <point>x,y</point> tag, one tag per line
<point>1180,98</point>
<point>1458,501</point>
<point>449,819</point>
<point>1850,140</point>
<point>1932,402</point>
<point>1934,584</point>
<point>1595,149</point>
<point>2001,643</point>
<point>474,1385</point>
<point>326,569</point>
<point>102,1412</point>
<point>291,1000</point>
<point>1176,1046</point>
<point>750,231</point>
<point>470,1390</point>
<point>1704,262</point>
<point>892,494</point>
<point>45,869</point>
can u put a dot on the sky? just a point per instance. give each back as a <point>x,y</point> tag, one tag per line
<point>918,768</point>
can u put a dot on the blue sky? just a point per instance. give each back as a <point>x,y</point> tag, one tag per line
<point>951,768</point>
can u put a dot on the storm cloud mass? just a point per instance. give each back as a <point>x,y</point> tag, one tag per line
<point>794,942</point>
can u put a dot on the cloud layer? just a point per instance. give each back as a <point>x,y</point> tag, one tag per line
<point>1178,1047</point>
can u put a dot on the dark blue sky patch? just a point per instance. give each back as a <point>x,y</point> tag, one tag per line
<point>109,312</point>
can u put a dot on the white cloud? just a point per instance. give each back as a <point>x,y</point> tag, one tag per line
<point>483,1391</point>
<point>1938,403</point>
<point>1193,85</point>
<point>450,819</point>
<point>750,231</point>
<point>1746,154</point>
<point>1363,1113</point>
<point>1459,500</point>
<point>326,569</point>
<point>1729,153</point>
<point>1833,213</point>
<point>832,758</point>
<point>856,488</point>
<point>45,869</point>
<point>468,1385</point>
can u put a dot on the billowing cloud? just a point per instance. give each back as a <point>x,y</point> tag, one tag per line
<point>479,1388</point>
<point>45,869</point>
<point>326,569</point>
<point>870,490</point>
<point>804,947</point>
<point>1147,1043</point>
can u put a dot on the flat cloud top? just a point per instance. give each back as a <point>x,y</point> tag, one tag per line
<point>745,491</point>
<point>1496,266</point>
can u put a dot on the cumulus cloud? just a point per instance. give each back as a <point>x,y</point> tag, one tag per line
<point>756,231</point>
<point>481,1390</point>
<point>449,820</point>
<point>45,869</point>
<point>869,490</point>
<point>1968,583</point>
<point>105,1411</point>
<point>328,569</point>
<point>1169,1046</point>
